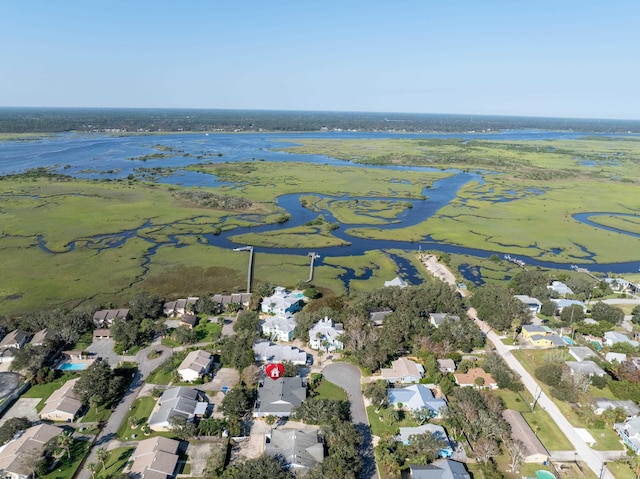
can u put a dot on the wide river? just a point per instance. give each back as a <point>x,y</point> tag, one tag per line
<point>102,157</point>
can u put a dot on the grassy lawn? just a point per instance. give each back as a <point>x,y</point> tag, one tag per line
<point>141,408</point>
<point>621,470</point>
<point>606,439</point>
<point>102,414</point>
<point>208,332</point>
<point>328,390</point>
<point>164,373</point>
<point>66,468</point>
<point>385,427</point>
<point>115,464</point>
<point>541,423</point>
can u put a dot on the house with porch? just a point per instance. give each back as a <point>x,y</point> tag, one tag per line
<point>415,397</point>
<point>283,302</point>
<point>403,370</point>
<point>326,335</point>
<point>280,327</point>
<point>279,397</point>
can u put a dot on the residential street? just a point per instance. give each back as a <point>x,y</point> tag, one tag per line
<point>593,459</point>
<point>347,376</point>
<point>108,433</point>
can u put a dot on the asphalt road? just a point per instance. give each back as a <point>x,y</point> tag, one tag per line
<point>347,376</point>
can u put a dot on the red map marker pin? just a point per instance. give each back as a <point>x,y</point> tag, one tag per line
<point>275,370</point>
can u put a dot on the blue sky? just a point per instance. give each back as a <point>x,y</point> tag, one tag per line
<point>541,58</point>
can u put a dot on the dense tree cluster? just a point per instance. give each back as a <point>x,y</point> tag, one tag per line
<point>212,200</point>
<point>408,326</point>
<point>496,305</point>
<point>237,350</point>
<point>29,120</point>
<point>99,384</point>
<point>67,325</point>
<point>605,312</point>
<point>479,414</point>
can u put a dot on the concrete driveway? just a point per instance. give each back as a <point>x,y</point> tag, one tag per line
<point>104,349</point>
<point>348,377</point>
<point>23,407</point>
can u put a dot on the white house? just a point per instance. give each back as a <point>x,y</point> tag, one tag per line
<point>283,302</point>
<point>326,335</point>
<point>617,357</point>
<point>279,327</point>
<point>613,337</point>
<point>560,288</point>
<point>195,365</point>
<point>533,304</point>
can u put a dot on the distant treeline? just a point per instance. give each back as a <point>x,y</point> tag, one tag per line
<point>56,120</point>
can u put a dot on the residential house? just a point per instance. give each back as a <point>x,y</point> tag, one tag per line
<point>415,397</point>
<point>560,288</point>
<point>16,454</point>
<point>436,319</point>
<point>397,281</point>
<point>620,285</point>
<point>301,449</point>
<point>279,327</point>
<point>566,303</point>
<point>533,450</point>
<point>441,469</point>
<point>542,336</point>
<point>105,317</point>
<point>178,401</point>
<point>195,366</point>
<point>279,397</point>
<point>588,368</point>
<point>243,299</point>
<point>376,317</point>
<point>631,408</point>
<point>446,365</point>
<point>326,335</point>
<point>154,458</point>
<point>63,404</point>
<point>188,320</point>
<point>581,353</point>
<point>283,302</point>
<point>179,307</point>
<point>435,430</point>
<point>266,351</point>
<point>469,379</point>
<point>403,370</point>
<point>532,304</point>
<point>15,339</point>
<point>629,432</point>
<point>613,337</point>
<point>615,357</point>
<point>43,337</point>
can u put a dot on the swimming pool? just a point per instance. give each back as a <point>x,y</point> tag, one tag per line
<point>542,474</point>
<point>72,366</point>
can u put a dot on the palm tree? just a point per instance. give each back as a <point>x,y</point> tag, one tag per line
<point>64,442</point>
<point>102,456</point>
<point>91,467</point>
<point>133,422</point>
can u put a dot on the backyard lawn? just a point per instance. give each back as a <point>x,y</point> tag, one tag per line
<point>387,427</point>
<point>115,464</point>
<point>67,467</point>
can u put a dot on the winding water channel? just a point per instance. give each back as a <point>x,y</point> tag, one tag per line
<point>101,157</point>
